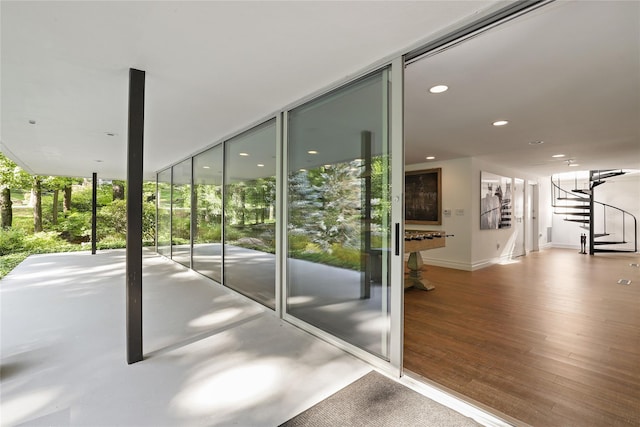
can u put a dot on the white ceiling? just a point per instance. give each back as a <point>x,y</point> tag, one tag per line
<point>568,74</point>
<point>212,69</point>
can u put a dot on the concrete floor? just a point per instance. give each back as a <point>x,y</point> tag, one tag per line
<point>212,357</point>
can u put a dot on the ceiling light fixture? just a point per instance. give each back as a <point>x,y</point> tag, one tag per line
<point>536,142</point>
<point>260,165</point>
<point>572,165</point>
<point>500,122</point>
<point>430,157</point>
<point>206,167</point>
<point>557,156</point>
<point>110,134</point>
<point>312,152</point>
<point>32,122</point>
<point>439,89</point>
<point>244,154</point>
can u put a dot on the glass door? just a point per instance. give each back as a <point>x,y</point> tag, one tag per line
<point>339,226</point>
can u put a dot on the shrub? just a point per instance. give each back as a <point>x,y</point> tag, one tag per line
<point>76,227</point>
<point>10,261</point>
<point>111,242</point>
<point>11,241</point>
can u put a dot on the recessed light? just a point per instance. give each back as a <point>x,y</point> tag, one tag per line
<point>243,154</point>
<point>312,152</point>
<point>430,157</point>
<point>32,122</point>
<point>260,165</point>
<point>536,142</point>
<point>302,170</point>
<point>99,161</point>
<point>557,156</point>
<point>110,134</point>
<point>572,165</point>
<point>206,167</point>
<point>439,89</point>
<point>500,122</point>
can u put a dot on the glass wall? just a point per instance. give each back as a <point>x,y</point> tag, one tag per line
<point>250,213</point>
<point>164,213</point>
<point>181,213</point>
<point>338,214</point>
<point>207,233</point>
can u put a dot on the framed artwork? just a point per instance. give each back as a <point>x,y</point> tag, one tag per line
<point>495,201</point>
<point>423,197</point>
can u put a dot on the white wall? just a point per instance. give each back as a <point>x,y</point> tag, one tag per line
<point>490,246</point>
<point>472,248</point>
<point>456,197</point>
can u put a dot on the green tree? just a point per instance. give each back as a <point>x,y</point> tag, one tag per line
<point>57,184</point>
<point>36,197</point>
<point>11,177</point>
<point>117,189</point>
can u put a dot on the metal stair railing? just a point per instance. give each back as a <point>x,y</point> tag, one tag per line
<point>625,214</point>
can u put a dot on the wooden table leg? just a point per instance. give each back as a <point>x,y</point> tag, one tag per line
<point>415,273</point>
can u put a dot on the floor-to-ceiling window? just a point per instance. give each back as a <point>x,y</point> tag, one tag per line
<point>207,232</point>
<point>249,213</point>
<point>181,213</point>
<point>338,214</point>
<point>164,212</point>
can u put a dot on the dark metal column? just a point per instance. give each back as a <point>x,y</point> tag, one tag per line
<point>94,211</point>
<point>365,221</point>
<point>134,215</point>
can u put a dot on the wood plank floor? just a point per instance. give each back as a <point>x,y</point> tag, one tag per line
<point>551,340</point>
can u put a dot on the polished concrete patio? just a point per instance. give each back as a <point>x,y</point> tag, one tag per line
<point>211,356</point>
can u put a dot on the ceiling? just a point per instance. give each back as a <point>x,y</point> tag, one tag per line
<point>212,69</point>
<point>567,74</point>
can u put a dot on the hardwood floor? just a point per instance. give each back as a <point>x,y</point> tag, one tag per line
<point>551,340</point>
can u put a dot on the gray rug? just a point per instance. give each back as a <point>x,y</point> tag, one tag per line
<point>375,400</point>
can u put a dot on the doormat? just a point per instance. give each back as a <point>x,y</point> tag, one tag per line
<point>377,401</point>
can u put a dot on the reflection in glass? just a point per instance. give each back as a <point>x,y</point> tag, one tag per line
<point>249,213</point>
<point>207,236</point>
<point>338,219</point>
<point>164,212</point>
<point>181,213</point>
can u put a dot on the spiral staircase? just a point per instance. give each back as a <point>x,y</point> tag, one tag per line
<point>578,205</point>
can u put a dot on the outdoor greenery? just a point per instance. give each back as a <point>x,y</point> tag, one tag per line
<point>43,214</point>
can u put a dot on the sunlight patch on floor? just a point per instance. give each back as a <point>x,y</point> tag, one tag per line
<point>235,388</point>
<point>22,408</point>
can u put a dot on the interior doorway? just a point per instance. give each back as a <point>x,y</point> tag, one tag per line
<point>518,218</point>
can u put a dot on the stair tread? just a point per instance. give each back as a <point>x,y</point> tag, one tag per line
<point>584,221</point>
<point>582,191</point>
<point>608,242</point>
<point>573,206</point>
<point>573,213</point>
<point>613,250</point>
<point>586,199</point>
<point>606,175</point>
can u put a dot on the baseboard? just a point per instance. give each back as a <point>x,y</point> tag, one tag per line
<point>565,246</point>
<point>456,265</point>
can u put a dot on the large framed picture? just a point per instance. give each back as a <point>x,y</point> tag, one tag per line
<point>495,201</point>
<point>423,197</point>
